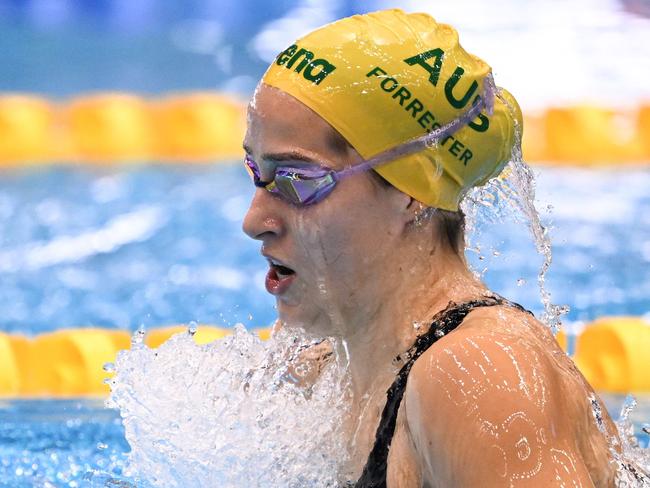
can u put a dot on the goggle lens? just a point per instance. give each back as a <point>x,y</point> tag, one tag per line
<point>252,170</point>
<point>299,186</point>
<point>305,186</point>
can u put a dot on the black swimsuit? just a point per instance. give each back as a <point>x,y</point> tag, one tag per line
<point>374,473</point>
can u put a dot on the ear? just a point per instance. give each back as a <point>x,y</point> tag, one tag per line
<point>407,207</point>
<point>415,210</point>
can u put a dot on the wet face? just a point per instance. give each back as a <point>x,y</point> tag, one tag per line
<point>334,260</point>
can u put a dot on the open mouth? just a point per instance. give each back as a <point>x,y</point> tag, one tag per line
<point>282,271</point>
<point>279,278</point>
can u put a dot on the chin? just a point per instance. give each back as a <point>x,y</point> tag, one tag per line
<point>291,315</point>
<point>307,318</point>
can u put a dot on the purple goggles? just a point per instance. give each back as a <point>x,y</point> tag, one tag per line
<point>305,184</point>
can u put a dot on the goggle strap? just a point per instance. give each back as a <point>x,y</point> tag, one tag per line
<point>431,138</point>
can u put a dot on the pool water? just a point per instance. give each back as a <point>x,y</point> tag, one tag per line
<point>48,443</point>
<point>156,245</point>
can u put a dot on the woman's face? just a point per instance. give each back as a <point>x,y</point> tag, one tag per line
<point>342,252</point>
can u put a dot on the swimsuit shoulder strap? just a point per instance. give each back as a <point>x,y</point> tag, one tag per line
<point>374,472</point>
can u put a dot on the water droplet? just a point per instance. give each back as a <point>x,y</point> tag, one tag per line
<point>523,449</point>
<point>417,325</point>
<point>496,253</point>
<point>521,282</point>
<point>192,327</point>
<point>597,413</point>
<point>628,405</point>
<point>563,309</point>
<point>109,367</point>
<point>101,446</point>
<point>138,337</point>
<point>250,316</point>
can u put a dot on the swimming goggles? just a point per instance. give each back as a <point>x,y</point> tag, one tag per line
<point>303,184</point>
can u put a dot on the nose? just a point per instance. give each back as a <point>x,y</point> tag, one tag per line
<point>264,219</point>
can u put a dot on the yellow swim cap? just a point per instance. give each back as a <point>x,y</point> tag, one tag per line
<point>386,77</point>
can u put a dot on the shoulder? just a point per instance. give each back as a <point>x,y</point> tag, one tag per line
<point>494,350</point>
<point>473,365</point>
<point>487,394</point>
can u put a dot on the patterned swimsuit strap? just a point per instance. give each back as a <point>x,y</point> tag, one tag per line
<point>445,321</point>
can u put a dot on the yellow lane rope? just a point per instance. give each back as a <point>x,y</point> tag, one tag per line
<point>611,352</point>
<point>69,362</point>
<point>208,126</point>
<point>119,127</point>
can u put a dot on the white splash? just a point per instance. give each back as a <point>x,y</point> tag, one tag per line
<point>633,461</point>
<point>231,413</point>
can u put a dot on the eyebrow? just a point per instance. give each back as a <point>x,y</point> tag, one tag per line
<point>284,156</point>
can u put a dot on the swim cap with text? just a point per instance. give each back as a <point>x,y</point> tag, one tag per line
<point>383,78</point>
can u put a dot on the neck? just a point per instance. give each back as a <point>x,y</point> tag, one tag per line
<point>381,332</point>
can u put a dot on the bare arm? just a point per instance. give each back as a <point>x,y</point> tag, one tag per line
<point>487,409</point>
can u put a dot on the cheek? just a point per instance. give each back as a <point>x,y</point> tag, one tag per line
<point>346,241</point>
<point>321,240</point>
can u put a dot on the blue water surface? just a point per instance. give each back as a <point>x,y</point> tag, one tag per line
<point>59,443</point>
<point>153,245</point>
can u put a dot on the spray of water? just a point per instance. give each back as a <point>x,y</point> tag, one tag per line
<point>511,195</point>
<point>632,461</point>
<point>236,412</point>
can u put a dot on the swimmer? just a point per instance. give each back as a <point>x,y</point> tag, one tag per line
<point>362,139</point>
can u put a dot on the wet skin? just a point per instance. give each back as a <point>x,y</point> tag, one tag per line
<point>495,403</point>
